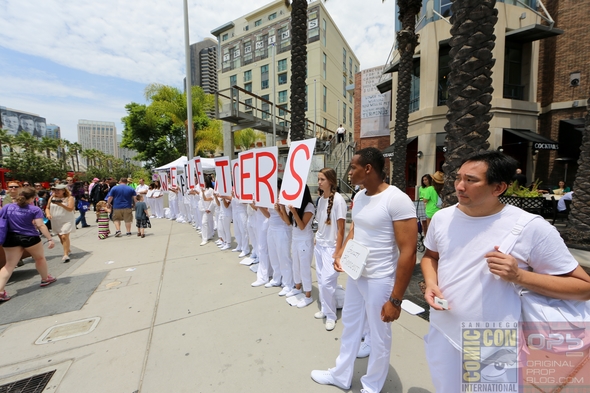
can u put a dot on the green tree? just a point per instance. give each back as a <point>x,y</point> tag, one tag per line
<point>49,145</point>
<point>469,85</point>
<point>27,142</point>
<point>298,68</point>
<point>5,140</point>
<point>33,167</point>
<point>244,139</point>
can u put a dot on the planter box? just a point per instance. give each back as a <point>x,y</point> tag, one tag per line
<point>535,204</point>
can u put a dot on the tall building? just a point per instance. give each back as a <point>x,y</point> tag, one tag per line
<point>99,135</point>
<point>519,31</point>
<point>564,76</point>
<point>53,131</point>
<point>204,65</point>
<point>247,47</point>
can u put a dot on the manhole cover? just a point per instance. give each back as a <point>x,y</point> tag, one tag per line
<point>68,330</point>
<point>34,384</point>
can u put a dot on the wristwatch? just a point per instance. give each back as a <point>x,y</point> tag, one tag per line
<point>395,302</point>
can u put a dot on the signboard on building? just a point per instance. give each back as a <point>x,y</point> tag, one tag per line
<point>375,107</point>
<point>16,122</point>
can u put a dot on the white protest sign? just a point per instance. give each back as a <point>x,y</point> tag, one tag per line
<point>181,179</point>
<point>266,176</point>
<point>223,176</point>
<point>354,259</point>
<point>163,177</point>
<point>296,171</point>
<point>235,174</point>
<point>199,172</point>
<point>247,173</point>
<point>173,176</point>
<point>190,174</point>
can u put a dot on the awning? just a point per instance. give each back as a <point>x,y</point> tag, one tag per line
<point>539,141</point>
<point>532,33</point>
<point>394,67</point>
<point>388,151</point>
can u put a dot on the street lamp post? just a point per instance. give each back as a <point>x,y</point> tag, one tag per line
<point>274,97</point>
<point>188,87</point>
<point>315,107</point>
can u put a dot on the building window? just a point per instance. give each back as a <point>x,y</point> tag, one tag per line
<point>248,87</point>
<point>247,52</point>
<point>415,88</point>
<point>261,46</point>
<point>247,76</point>
<point>350,116</point>
<point>282,65</point>
<point>344,59</point>
<point>350,66</point>
<point>282,96</point>
<point>265,107</point>
<point>272,16</point>
<point>282,78</point>
<point>325,98</point>
<point>513,87</point>
<point>264,77</point>
<point>324,29</point>
<point>313,27</point>
<point>445,8</point>
<point>284,38</point>
<point>344,86</point>
<point>350,97</point>
<point>443,74</point>
<point>224,37</point>
<point>344,113</point>
<point>325,123</point>
<point>248,105</point>
<point>258,23</point>
<point>233,80</point>
<point>356,69</point>
<point>324,65</point>
<point>282,109</point>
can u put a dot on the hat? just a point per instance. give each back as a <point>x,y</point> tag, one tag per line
<point>96,179</point>
<point>438,177</point>
<point>59,187</point>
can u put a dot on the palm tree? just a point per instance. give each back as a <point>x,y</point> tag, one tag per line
<point>27,142</point>
<point>245,138</point>
<point>470,85</point>
<point>76,149</point>
<point>578,226</point>
<point>49,145</point>
<point>298,68</point>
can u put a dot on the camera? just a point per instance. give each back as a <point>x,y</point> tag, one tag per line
<point>56,201</point>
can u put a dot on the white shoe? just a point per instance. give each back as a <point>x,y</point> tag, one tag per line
<point>364,350</point>
<point>152,216</point>
<point>324,377</point>
<point>258,283</point>
<point>330,324</point>
<point>271,283</point>
<point>293,292</point>
<point>319,315</point>
<point>243,254</point>
<point>218,241</point>
<point>284,291</point>
<point>236,250</point>
<point>306,301</point>
<point>225,247</point>
<point>204,242</point>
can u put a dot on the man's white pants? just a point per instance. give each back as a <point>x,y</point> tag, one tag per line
<point>252,234</point>
<point>240,229</point>
<point>206,225</point>
<point>327,279</point>
<point>223,228</point>
<point>159,207</point>
<point>279,252</point>
<point>197,214</point>
<point>444,362</point>
<point>302,253</point>
<point>363,301</point>
<point>173,208</point>
<point>264,264</point>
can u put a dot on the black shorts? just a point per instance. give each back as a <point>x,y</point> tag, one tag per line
<point>15,240</point>
<point>141,223</point>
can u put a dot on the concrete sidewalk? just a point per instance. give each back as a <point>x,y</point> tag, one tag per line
<point>171,316</point>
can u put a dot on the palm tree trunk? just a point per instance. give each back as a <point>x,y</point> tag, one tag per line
<point>407,39</point>
<point>298,68</point>
<point>470,85</point>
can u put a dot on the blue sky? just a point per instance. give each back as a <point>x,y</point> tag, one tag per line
<point>67,60</point>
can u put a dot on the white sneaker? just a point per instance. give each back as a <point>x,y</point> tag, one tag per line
<point>271,283</point>
<point>364,350</point>
<point>293,292</point>
<point>324,377</point>
<point>218,241</point>
<point>204,242</point>
<point>306,301</point>
<point>243,254</point>
<point>236,250</point>
<point>258,283</point>
<point>330,324</point>
<point>319,315</point>
<point>225,247</point>
<point>284,291</point>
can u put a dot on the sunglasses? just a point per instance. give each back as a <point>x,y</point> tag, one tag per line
<point>13,186</point>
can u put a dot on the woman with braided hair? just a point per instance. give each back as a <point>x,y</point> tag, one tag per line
<point>331,216</point>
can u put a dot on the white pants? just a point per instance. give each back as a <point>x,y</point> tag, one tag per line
<point>159,207</point>
<point>327,280</point>
<point>302,254</point>
<point>223,228</point>
<point>279,252</point>
<point>264,265</point>
<point>206,225</point>
<point>241,229</point>
<point>181,209</point>
<point>363,301</point>
<point>173,208</point>
<point>252,234</point>
<point>198,217</point>
<point>444,362</point>
<point>150,204</point>
<point>215,210</point>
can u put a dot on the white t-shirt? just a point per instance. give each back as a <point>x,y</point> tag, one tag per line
<point>473,293</point>
<point>275,221</point>
<point>150,193</point>
<point>327,235</point>
<point>340,130</point>
<point>307,232</point>
<point>225,211</point>
<point>203,204</point>
<point>373,218</point>
<point>142,189</point>
<point>238,206</point>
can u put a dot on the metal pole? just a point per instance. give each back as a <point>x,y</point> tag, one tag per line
<point>315,107</point>
<point>274,97</point>
<point>188,88</point>
<point>338,118</point>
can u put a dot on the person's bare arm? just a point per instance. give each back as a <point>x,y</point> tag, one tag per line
<point>264,211</point>
<point>406,233</point>
<point>429,266</point>
<point>69,205</point>
<point>38,222</point>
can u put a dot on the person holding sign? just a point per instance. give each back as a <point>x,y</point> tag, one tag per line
<point>207,211</point>
<point>224,221</point>
<point>384,221</point>
<point>262,274</point>
<point>331,217</point>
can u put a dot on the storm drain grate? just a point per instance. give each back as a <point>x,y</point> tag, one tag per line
<point>34,384</point>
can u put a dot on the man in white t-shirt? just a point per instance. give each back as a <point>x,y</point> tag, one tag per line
<point>142,188</point>
<point>462,266</point>
<point>340,132</point>
<point>384,221</point>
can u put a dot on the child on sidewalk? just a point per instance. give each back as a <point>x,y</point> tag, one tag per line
<point>141,215</point>
<point>102,216</point>
<point>83,207</point>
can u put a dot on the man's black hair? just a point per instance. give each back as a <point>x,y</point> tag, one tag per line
<point>501,168</point>
<point>373,157</point>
